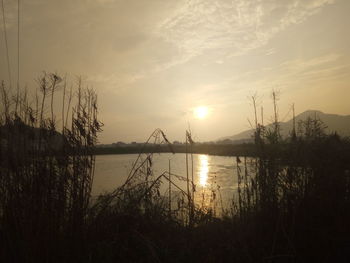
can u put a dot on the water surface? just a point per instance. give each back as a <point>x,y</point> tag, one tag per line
<point>212,174</point>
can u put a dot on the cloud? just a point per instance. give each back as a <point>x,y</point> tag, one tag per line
<point>232,27</point>
<point>270,51</point>
<point>289,75</point>
<point>301,65</point>
<point>103,1</point>
<point>301,72</point>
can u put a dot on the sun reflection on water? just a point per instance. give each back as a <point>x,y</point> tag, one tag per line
<point>203,169</point>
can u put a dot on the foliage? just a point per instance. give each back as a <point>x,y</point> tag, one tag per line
<point>46,175</point>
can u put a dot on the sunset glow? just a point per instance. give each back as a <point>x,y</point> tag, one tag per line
<point>203,169</point>
<point>174,130</point>
<point>201,112</point>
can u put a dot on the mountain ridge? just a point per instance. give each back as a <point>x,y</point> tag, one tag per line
<point>334,122</point>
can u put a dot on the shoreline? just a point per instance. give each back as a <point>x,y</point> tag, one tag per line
<point>219,150</point>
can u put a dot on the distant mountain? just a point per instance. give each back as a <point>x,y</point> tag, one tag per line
<point>334,123</point>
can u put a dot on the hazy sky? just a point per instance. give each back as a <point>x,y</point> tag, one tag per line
<point>153,61</point>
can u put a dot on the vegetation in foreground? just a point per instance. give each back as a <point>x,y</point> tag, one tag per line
<point>292,206</point>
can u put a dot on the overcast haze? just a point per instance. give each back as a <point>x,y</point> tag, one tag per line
<point>152,61</point>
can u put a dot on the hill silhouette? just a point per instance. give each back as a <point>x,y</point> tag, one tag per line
<point>334,122</point>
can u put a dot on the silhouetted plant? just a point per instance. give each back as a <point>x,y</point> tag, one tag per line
<point>46,176</point>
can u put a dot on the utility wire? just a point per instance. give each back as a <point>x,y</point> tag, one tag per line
<point>18,79</point>
<point>6,43</point>
<point>18,41</point>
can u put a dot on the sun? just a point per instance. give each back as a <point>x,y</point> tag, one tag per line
<point>200,112</point>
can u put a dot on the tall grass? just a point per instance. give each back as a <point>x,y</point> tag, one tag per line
<point>297,201</point>
<point>46,175</point>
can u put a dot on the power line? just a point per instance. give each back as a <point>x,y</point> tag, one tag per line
<point>18,40</point>
<point>6,44</point>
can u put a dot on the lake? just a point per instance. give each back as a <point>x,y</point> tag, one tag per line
<point>212,174</point>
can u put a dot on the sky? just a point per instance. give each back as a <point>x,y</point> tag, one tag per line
<point>154,62</point>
